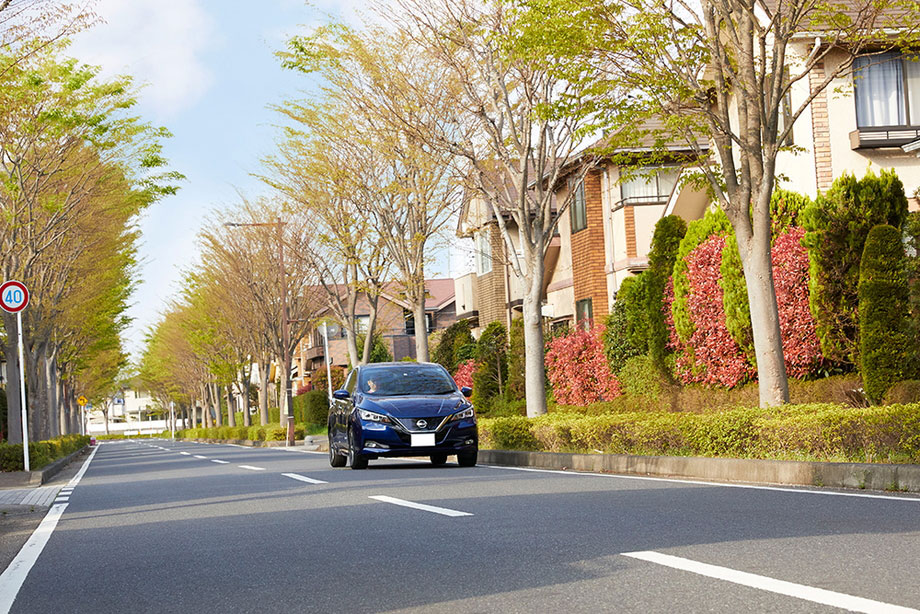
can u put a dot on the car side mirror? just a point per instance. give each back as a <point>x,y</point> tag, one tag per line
<point>466,391</point>
<point>341,395</point>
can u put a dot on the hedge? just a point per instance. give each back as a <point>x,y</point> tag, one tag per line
<point>815,431</point>
<point>886,348</point>
<point>41,453</point>
<point>269,432</point>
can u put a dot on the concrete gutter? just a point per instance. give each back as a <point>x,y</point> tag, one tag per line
<point>19,479</point>
<point>872,476</point>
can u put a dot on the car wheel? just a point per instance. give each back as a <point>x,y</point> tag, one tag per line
<point>335,459</point>
<point>355,460</point>
<point>468,459</point>
<point>438,459</point>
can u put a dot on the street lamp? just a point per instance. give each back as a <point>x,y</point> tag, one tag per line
<point>285,319</point>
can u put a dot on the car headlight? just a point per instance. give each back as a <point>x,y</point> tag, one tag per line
<point>372,416</point>
<point>463,414</point>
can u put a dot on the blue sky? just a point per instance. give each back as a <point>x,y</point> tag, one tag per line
<point>210,77</point>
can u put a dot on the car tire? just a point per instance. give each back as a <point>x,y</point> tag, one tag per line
<point>335,459</point>
<point>355,460</point>
<point>438,459</point>
<point>468,459</point>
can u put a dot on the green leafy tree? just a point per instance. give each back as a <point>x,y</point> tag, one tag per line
<point>491,375</point>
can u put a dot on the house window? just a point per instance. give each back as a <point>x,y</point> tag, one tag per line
<point>887,90</point>
<point>584,313</point>
<point>577,207</point>
<point>483,252</point>
<point>410,323</point>
<point>361,323</point>
<point>652,184</point>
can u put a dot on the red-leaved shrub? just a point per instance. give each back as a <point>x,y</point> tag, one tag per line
<point>578,370</point>
<point>801,347</point>
<point>464,374</point>
<point>711,356</point>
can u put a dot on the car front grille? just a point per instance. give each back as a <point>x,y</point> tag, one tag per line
<point>411,424</point>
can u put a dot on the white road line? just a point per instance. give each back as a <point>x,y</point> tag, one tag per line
<point>799,591</point>
<point>303,478</point>
<point>76,479</point>
<point>60,499</point>
<point>200,456</point>
<point>184,453</point>
<point>220,462</point>
<point>12,579</point>
<point>251,468</point>
<point>420,506</point>
<point>805,491</point>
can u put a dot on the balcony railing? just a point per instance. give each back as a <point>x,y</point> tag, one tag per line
<point>871,137</point>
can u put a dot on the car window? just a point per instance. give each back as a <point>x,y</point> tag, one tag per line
<point>351,381</point>
<point>406,380</point>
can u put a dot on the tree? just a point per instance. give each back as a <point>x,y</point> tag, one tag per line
<point>519,127</point>
<point>411,189</point>
<point>723,71</point>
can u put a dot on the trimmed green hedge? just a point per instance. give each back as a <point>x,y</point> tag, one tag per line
<point>269,432</point>
<point>41,453</point>
<point>822,432</point>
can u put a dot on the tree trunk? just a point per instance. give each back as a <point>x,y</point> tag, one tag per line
<point>105,417</point>
<point>421,327</point>
<point>13,406</point>
<point>63,406</point>
<point>768,342</point>
<point>231,410</point>
<point>55,409</point>
<point>219,415</point>
<point>371,328</point>
<point>247,386</point>
<point>534,369</point>
<point>36,399</point>
<point>264,369</point>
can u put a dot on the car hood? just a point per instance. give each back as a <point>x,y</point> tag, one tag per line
<point>414,406</point>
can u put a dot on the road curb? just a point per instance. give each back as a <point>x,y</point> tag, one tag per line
<point>15,479</point>
<point>872,476</point>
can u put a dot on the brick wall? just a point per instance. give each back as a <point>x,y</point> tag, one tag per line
<point>821,131</point>
<point>490,288</point>
<point>588,276</point>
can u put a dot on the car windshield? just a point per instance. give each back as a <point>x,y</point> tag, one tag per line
<point>406,380</point>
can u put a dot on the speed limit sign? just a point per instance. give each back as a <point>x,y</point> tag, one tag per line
<point>14,296</point>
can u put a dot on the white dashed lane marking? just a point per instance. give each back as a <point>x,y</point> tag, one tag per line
<point>791,589</point>
<point>420,506</point>
<point>251,468</point>
<point>220,462</point>
<point>303,478</point>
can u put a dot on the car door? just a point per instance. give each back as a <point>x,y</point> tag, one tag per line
<point>341,410</point>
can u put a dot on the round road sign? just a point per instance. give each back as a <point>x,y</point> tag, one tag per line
<point>14,296</point>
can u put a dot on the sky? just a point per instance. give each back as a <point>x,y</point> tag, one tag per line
<point>210,77</point>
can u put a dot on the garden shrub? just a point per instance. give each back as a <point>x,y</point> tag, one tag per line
<point>516,376</point>
<point>885,347</point>
<point>41,453</point>
<point>669,231</point>
<point>912,243</point>
<point>641,377</point>
<point>464,373</point>
<point>837,225</point>
<point>379,350</point>
<point>709,355</point>
<point>319,378</point>
<point>713,223</point>
<point>312,407</point>
<point>275,432</point>
<point>618,346</point>
<point>578,370</point>
<point>801,348</point>
<point>491,373</point>
<point>901,393</point>
<point>455,345</point>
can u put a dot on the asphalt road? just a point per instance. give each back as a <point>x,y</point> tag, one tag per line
<point>149,529</point>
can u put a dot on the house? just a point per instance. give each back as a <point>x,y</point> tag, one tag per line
<point>395,323</point>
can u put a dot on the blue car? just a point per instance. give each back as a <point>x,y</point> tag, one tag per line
<point>401,409</point>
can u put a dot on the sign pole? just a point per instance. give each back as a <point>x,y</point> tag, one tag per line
<point>326,356</point>
<point>172,418</point>
<point>22,396</point>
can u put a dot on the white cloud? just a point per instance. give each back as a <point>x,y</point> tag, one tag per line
<point>158,42</point>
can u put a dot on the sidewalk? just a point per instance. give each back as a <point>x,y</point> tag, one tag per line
<point>43,495</point>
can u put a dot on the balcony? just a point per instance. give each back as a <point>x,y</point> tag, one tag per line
<point>873,137</point>
<point>313,352</point>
